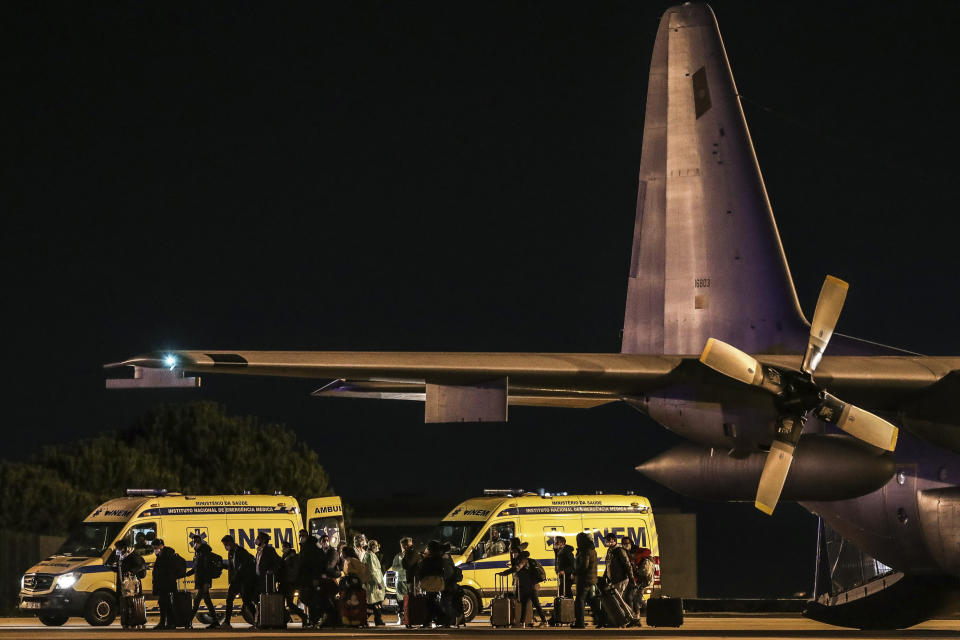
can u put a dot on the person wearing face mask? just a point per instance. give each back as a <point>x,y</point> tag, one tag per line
<point>203,571</point>
<point>266,564</point>
<point>308,576</point>
<point>240,576</point>
<point>329,571</point>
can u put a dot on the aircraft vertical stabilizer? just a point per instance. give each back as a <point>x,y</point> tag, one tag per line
<point>707,259</point>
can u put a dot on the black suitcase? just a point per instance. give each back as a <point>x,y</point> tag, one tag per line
<point>181,609</point>
<point>271,607</point>
<point>563,611</point>
<point>665,612</point>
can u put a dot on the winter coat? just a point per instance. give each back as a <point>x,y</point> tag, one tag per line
<point>586,561</point>
<point>266,561</point>
<point>309,565</point>
<point>565,561</point>
<point>165,572</point>
<point>201,565</point>
<point>240,569</point>
<point>329,563</point>
<point>376,591</point>
<point>289,568</point>
<point>133,563</point>
<point>411,566</point>
<point>452,575</point>
<point>618,564</point>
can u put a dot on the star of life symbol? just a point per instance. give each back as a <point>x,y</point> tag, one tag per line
<point>197,536</point>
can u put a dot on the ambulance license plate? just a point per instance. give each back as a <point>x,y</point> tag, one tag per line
<point>30,604</point>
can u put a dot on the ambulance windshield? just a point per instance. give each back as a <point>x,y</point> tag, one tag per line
<point>459,534</point>
<point>90,539</point>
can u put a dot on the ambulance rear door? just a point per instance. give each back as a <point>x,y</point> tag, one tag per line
<point>325,515</point>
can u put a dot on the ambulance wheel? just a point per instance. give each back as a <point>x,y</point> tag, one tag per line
<point>101,609</point>
<point>471,605</point>
<point>53,620</point>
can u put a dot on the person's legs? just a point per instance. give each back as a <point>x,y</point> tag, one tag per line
<point>436,608</point>
<point>232,593</point>
<point>536,606</point>
<point>208,601</point>
<point>163,602</point>
<point>378,615</point>
<point>593,598</point>
<point>578,607</point>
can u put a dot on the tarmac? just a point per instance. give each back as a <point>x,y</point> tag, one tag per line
<point>700,626</point>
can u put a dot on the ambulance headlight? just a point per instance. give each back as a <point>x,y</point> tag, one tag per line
<point>170,361</point>
<point>67,580</point>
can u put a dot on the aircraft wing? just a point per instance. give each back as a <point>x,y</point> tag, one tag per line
<point>455,386</point>
<point>460,386</point>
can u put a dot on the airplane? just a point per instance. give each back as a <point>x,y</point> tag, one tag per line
<point>716,349</point>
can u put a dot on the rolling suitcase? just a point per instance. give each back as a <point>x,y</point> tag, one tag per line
<point>416,609</point>
<point>504,606</point>
<point>181,608</point>
<point>563,612</point>
<point>665,612</point>
<point>133,612</point>
<point>271,608</point>
<point>615,611</point>
<point>352,603</point>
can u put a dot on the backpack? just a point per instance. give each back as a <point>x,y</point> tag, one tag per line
<point>536,569</point>
<point>214,566</point>
<point>179,566</point>
<point>646,572</point>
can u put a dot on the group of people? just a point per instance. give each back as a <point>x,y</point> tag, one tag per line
<point>629,570</point>
<point>432,574</point>
<point>315,574</point>
<point>318,575</point>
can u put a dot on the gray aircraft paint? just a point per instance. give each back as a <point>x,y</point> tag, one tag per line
<point>705,233</point>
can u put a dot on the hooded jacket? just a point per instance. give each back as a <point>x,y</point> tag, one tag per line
<point>586,561</point>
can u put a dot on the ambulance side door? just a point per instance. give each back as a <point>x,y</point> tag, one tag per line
<point>495,556</point>
<point>140,538</point>
<point>541,533</point>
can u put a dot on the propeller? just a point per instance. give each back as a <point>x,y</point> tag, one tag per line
<point>797,395</point>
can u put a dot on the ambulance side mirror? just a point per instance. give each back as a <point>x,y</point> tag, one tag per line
<point>471,557</point>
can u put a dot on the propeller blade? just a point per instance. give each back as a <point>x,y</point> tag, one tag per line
<point>774,474</point>
<point>829,304</point>
<point>858,422</point>
<point>731,362</point>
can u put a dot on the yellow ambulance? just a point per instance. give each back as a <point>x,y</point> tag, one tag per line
<point>80,579</point>
<point>473,529</point>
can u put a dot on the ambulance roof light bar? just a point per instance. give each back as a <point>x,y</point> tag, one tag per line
<point>503,492</point>
<point>136,493</point>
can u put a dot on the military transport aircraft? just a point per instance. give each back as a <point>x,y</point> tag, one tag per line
<point>716,348</point>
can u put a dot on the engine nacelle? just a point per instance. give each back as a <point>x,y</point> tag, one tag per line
<point>825,467</point>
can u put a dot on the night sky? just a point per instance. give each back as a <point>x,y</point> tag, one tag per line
<point>439,176</point>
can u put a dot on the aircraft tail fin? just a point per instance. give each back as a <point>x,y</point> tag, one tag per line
<point>707,259</point>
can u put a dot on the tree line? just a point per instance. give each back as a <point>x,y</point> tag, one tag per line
<point>194,448</point>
